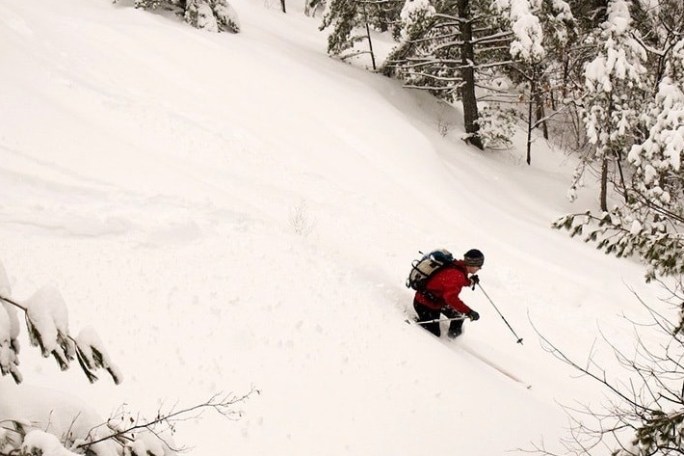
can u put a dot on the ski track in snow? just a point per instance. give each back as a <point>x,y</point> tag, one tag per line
<point>494,365</point>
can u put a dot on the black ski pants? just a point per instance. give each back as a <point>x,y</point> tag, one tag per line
<point>427,314</point>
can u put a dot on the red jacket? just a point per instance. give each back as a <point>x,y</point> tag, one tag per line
<point>444,287</point>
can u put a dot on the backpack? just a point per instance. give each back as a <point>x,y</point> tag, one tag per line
<point>423,268</point>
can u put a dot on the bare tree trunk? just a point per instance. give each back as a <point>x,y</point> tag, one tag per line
<point>623,184</point>
<point>604,185</point>
<point>539,106</point>
<point>529,126</point>
<point>566,77</point>
<point>282,5</point>
<point>370,42</point>
<point>467,91</point>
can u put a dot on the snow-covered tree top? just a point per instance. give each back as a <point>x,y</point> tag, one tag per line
<point>414,7</point>
<point>663,149</point>
<point>622,55</point>
<point>526,27</point>
<point>413,11</point>
<point>562,10</point>
<point>619,20</point>
<point>561,16</point>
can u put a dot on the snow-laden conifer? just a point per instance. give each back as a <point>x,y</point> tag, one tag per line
<point>616,89</point>
<point>655,206</point>
<point>9,332</point>
<point>650,220</point>
<point>527,42</point>
<point>527,52</point>
<point>351,22</point>
<point>467,50</point>
<point>47,322</point>
<point>450,51</point>
<point>210,15</point>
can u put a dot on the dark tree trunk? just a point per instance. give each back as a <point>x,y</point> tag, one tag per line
<point>530,125</point>
<point>368,35</point>
<point>282,4</point>
<point>604,185</point>
<point>467,91</point>
<point>539,106</point>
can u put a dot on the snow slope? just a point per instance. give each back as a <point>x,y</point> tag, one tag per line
<point>239,211</point>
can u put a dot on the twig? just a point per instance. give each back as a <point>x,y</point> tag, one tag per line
<point>221,406</point>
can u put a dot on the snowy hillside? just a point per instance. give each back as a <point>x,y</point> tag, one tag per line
<point>240,211</point>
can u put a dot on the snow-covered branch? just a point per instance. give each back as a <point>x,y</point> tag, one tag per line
<point>221,404</point>
<point>47,325</point>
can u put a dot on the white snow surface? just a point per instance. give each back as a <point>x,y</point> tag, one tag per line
<point>240,211</point>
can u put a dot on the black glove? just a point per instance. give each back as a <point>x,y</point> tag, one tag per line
<point>474,280</point>
<point>473,315</point>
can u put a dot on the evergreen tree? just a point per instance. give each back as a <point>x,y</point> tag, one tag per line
<point>653,29</point>
<point>661,25</point>
<point>649,225</point>
<point>650,221</point>
<point>445,47</point>
<point>590,14</point>
<point>616,89</point>
<point>352,21</point>
<point>560,35</point>
<point>543,31</point>
<point>210,15</point>
<point>654,212</point>
<point>465,48</point>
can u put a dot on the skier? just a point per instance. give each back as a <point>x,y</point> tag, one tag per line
<point>441,294</point>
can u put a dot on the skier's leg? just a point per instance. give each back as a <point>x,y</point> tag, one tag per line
<point>427,314</point>
<point>455,326</point>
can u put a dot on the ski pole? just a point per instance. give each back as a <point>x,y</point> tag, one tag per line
<point>462,317</point>
<point>520,341</point>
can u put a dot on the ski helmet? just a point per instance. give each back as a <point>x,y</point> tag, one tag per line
<point>473,257</point>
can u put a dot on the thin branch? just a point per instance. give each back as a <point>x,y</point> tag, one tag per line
<point>14,303</point>
<point>221,406</point>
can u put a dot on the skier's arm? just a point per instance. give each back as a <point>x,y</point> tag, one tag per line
<point>455,302</point>
<point>451,295</point>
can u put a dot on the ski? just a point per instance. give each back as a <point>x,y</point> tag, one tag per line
<point>495,366</point>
